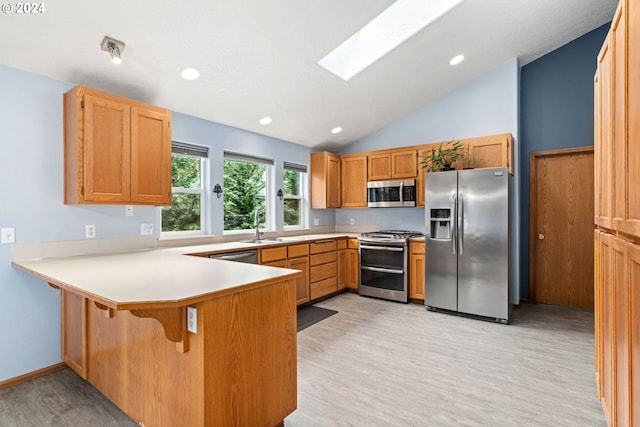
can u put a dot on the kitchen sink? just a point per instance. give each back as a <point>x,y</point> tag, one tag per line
<point>261,241</point>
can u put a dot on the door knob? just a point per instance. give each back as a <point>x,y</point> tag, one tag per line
<point>540,236</point>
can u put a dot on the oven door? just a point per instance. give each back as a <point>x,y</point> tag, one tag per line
<point>383,272</point>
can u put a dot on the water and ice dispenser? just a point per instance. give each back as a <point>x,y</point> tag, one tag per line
<point>441,224</point>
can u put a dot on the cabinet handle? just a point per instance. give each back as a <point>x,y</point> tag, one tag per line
<point>324,241</point>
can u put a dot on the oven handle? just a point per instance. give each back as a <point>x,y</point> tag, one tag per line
<point>382,270</point>
<point>382,248</point>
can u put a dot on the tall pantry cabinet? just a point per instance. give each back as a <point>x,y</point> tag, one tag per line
<point>617,218</point>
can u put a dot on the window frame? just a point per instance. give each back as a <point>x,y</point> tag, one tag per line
<point>196,152</point>
<point>302,176</point>
<point>269,223</point>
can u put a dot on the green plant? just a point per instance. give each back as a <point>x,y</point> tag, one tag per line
<point>441,158</point>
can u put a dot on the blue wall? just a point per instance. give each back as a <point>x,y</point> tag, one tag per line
<point>556,111</point>
<point>31,193</point>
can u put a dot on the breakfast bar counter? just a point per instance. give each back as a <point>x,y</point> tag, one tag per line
<point>125,330</point>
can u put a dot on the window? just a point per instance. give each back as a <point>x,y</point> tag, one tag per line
<point>246,189</point>
<point>293,191</point>
<point>186,213</point>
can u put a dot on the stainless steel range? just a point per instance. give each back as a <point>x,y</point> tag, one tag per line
<point>384,260</point>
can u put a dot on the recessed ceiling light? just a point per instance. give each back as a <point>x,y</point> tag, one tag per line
<point>337,129</point>
<point>385,32</point>
<point>190,74</point>
<point>456,60</point>
<point>265,120</point>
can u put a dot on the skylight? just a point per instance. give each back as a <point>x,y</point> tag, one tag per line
<point>385,32</point>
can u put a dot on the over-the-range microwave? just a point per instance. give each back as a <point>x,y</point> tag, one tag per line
<point>399,193</point>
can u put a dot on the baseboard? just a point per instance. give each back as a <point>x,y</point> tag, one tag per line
<point>32,375</point>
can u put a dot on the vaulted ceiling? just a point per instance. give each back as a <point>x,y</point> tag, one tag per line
<point>259,58</point>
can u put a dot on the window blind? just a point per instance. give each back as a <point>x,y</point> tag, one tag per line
<point>189,149</point>
<point>295,167</point>
<point>247,158</point>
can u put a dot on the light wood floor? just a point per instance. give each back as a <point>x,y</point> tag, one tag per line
<point>379,363</point>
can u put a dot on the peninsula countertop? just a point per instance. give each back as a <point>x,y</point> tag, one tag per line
<point>161,278</point>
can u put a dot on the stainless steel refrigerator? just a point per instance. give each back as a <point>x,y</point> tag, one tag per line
<point>468,262</point>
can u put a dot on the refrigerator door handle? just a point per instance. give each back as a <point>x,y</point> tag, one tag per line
<point>460,227</point>
<point>454,216</point>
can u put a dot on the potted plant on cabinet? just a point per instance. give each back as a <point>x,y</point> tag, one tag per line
<point>441,158</point>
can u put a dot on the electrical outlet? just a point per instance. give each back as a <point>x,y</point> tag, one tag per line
<point>128,210</point>
<point>352,221</point>
<point>146,229</point>
<point>90,231</point>
<point>8,235</point>
<point>192,320</point>
<point>316,221</point>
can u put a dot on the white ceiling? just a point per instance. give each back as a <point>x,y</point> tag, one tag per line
<point>259,58</point>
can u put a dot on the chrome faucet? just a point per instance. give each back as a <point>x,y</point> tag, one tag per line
<point>256,223</point>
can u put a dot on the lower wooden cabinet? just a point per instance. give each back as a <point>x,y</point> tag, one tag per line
<point>302,284</point>
<point>618,329</point>
<point>416,270</point>
<point>295,257</point>
<point>323,268</point>
<point>73,308</point>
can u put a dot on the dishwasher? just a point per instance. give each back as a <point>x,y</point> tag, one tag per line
<point>249,257</point>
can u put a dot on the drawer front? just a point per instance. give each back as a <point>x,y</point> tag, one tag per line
<point>353,243</point>
<point>296,251</point>
<point>417,248</point>
<point>324,287</point>
<point>273,254</point>
<point>323,258</point>
<point>342,243</point>
<point>281,263</point>
<point>323,271</point>
<point>323,246</point>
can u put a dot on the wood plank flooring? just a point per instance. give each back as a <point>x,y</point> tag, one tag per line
<point>379,363</point>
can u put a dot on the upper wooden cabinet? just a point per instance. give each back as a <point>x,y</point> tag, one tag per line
<point>354,177</point>
<point>325,180</point>
<point>492,151</point>
<point>117,151</point>
<point>392,164</point>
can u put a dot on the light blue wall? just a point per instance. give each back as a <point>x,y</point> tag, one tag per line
<point>485,106</point>
<point>31,191</point>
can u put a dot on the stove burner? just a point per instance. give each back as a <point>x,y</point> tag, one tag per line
<point>390,235</point>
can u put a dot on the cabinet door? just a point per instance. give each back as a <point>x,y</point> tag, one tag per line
<point>416,270</point>
<point>107,147</point>
<point>633,277</point>
<point>325,180</point>
<point>302,283</point>
<point>491,152</point>
<point>150,156</point>
<point>379,166</point>
<point>342,269</point>
<point>619,94</point>
<point>354,181</point>
<point>605,161</point>
<point>74,331</point>
<point>608,310</point>
<point>404,164</point>
<point>353,269</point>
<point>631,223</point>
<point>620,291</point>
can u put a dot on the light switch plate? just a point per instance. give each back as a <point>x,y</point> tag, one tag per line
<point>192,320</point>
<point>316,221</point>
<point>8,235</point>
<point>90,231</point>
<point>128,210</point>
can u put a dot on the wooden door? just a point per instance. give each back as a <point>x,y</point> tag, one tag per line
<point>150,156</point>
<point>561,228</point>
<point>354,178</point>
<point>107,142</point>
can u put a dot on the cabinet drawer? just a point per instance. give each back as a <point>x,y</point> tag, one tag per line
<point>323,271</point>
<point>323,258</point>
<point>417,247</point>
<point>281,263</point>
<point>295,251</point>
<point>342,243</point>
<point>353,243</point>
<point>323,246</point>
<point>273,254</point>
<point>324,287</point>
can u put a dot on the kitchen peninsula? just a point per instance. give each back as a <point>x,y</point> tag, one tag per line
<point>124,329</point>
